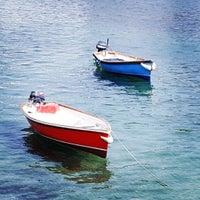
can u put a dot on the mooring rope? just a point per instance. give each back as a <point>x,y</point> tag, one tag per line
<point>139,163</point>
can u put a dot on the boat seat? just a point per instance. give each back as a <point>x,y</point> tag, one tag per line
<point>115,60</point>
<point>48,108</point>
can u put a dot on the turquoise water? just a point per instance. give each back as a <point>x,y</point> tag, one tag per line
<point>48,45</point>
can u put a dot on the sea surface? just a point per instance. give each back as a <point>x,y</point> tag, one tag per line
<point>47,45</point>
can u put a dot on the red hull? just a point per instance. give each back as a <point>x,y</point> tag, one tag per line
<point>85,140</point>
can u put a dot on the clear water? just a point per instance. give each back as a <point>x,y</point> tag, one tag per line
<point>48,45</point>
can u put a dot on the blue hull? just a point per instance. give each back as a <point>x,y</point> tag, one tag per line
<point>127,68</point>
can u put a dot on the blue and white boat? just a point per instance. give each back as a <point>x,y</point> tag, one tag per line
<point>115,62</point>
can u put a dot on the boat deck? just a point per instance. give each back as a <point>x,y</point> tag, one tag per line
<point>112,56</point>
<point>66,117</point>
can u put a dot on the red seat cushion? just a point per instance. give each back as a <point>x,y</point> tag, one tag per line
<point>48,108</point>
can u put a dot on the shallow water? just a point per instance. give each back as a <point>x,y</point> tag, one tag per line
<point>47,46</point>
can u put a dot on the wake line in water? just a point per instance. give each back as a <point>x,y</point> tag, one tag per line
<point>139,163</point>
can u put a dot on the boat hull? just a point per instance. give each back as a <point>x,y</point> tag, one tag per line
<point>123,64</point>
<point>129,68</point>
<point>86,141</point>
<point>91,141</point>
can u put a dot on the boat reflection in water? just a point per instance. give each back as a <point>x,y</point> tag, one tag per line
<point>131,84</point>
<point>75,165</point>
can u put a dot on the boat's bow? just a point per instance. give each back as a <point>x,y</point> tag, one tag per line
<point>108,139</point>
<point>149,66</point>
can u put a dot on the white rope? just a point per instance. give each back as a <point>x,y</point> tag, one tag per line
<point>140,164</point>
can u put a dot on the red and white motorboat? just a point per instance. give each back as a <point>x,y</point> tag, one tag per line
<point>67,125</point>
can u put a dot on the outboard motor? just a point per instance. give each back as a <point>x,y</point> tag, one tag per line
<point>41,96</point>
<point>32,96</point>
<point>36,98</point>
<point>101,45</point>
